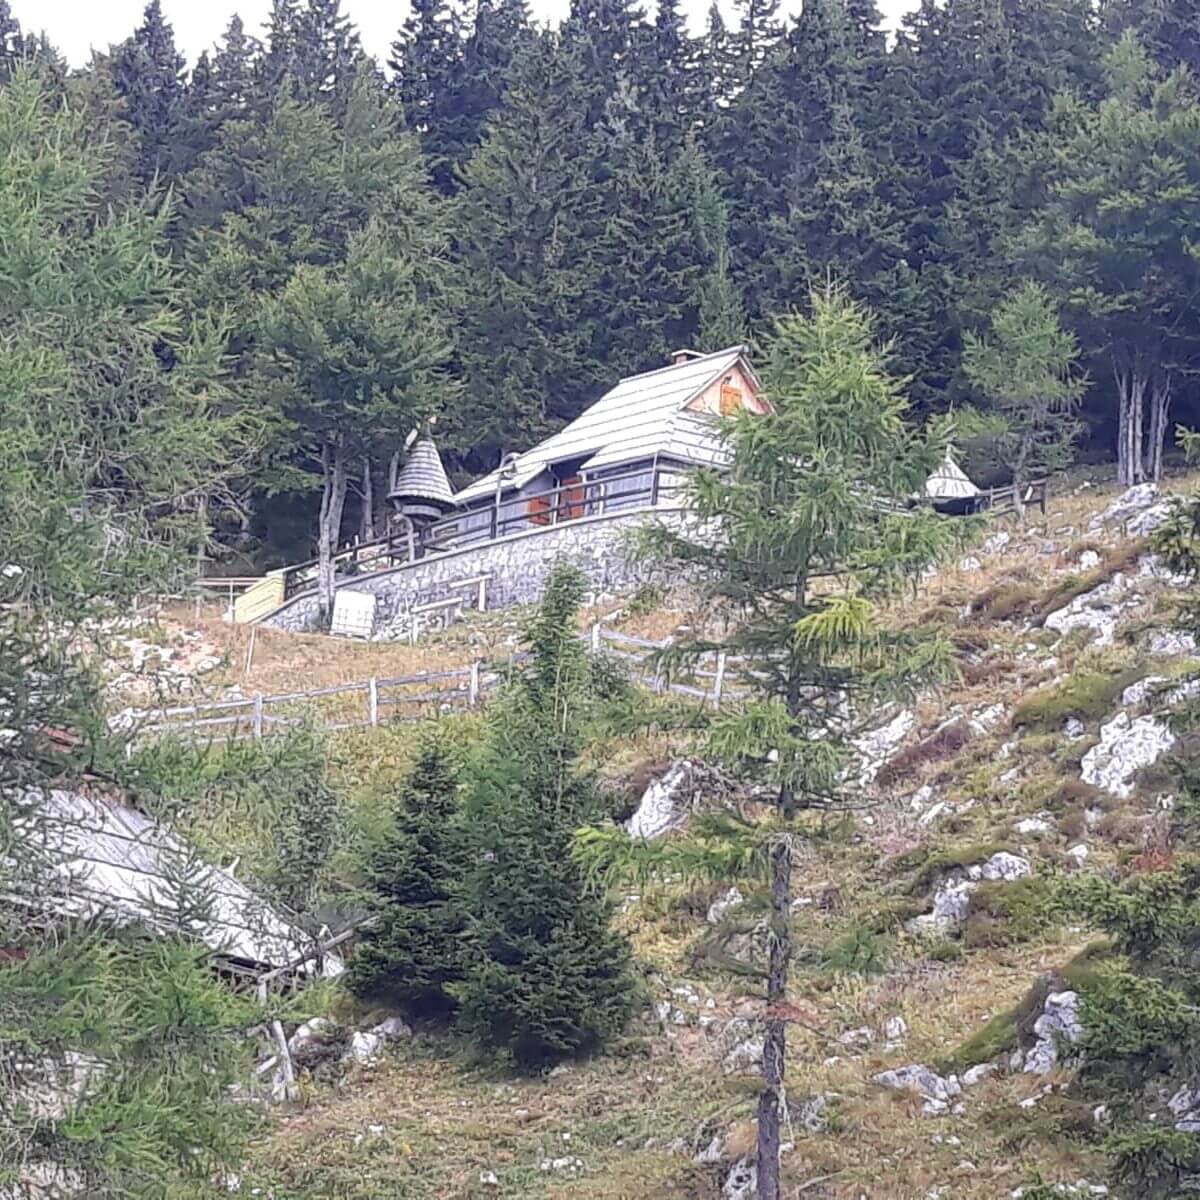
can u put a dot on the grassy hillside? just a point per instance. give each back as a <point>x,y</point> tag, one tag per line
<point>991,766</point>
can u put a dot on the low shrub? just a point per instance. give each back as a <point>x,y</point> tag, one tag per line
<point>1008,913</point>
<point>858,951</point>
<point>1153,1163</point>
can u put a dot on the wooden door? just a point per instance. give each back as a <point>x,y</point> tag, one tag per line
<point>538,510</point>
<point>571,498</point>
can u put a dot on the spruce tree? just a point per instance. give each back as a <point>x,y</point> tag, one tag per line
<point>413,879</point>
<point>427,59</point>
<point>148,73</point>
<point>113,428</point>
<point>545,976</point>
<point>12,43</point>
<point>814,492</point>
<point>233,72</point>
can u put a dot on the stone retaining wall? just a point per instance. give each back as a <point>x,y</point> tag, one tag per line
<point>518,565</point>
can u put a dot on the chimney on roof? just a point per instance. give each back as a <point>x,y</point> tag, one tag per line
<point>682,356</point>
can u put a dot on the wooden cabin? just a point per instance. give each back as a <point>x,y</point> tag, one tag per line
<point>630,449</point>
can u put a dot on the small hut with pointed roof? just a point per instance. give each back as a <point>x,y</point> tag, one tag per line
<point>422,491</point>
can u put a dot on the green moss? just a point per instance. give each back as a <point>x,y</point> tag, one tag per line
<point>1008,913</point>
<point>999,1036</point>
<point>1087,696</point>
<point>858,951</point>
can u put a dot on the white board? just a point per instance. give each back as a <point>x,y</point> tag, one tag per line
<point>353,614</point>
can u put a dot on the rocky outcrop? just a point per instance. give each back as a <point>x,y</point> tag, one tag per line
<point>1128,505</point>
<point>1098,610</point>
<point>664,804</point>
<point>938,1092</point>
<point>876,747</point>
<point>1058,1027</point>
<point>1126,746</point>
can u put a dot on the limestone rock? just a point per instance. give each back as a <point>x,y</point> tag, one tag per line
<point>1185,1108</point>
<point>742,1042</point>
<point>895,1030</point>
<point>1058,1026</point>
<point>723,904</point>
<point>1125,747</point>
<point>1173,643</point>
<point>1005,866</point>
<point>950,904</point>
<point>1149,519</point>
<point>875,748</point>
<point>978,1073</point>
<point>1035,826</point>
<point>812,1113</point>
<point>364,1047</point>
<point>1127,505</point>
<point>1087,560</point>
<point>393,1029</point>
<point>1097,610</point>
<point>1136,694</point>
<point>969,564</point>
<point>742,1181</point>
<point>939,1092</point>
<point>997,543</point>
<point>664,804</point>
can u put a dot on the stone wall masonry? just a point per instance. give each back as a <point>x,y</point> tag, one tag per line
<point>518,565</point>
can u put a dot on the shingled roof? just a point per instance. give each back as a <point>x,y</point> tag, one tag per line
<point>643,416</point>
<point>423,477</point>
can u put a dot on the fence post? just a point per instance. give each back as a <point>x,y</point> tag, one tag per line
<point>258,716</point>
<point>473,694</point>
<point>719,681</point>
<point>483,593</point>
<point>373,700</point>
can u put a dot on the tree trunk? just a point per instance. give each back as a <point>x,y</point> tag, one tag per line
<point>772,1097</point>
<point>366,524</point>
<point>393,471</point>
<point>333,501</point>
<point>1131,381</point>
<point>1019,473</point>
<point>1156,434</point>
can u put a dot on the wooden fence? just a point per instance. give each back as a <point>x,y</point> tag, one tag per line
<point>376,701</point>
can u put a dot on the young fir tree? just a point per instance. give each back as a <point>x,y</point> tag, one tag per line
<point>413,881</point>
<point>545,976</point>
<point>1026,370</point>
<point>792,542</point>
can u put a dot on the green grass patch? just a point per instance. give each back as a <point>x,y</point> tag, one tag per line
<point>1087,696</point>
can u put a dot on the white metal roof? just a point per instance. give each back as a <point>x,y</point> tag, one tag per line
<point>949,482</point>
<point>641,417</point>
<point>100,858</point>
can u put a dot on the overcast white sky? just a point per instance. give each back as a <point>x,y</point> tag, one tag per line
<point>75,26</point>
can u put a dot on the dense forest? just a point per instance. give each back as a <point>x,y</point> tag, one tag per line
<point>500,221</point>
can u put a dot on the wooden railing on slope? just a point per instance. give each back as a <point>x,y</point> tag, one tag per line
<point>375,701</point>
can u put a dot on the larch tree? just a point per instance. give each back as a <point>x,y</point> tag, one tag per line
<point>793,542</point>
<point>113,434</point>
<point>1026,370</point>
